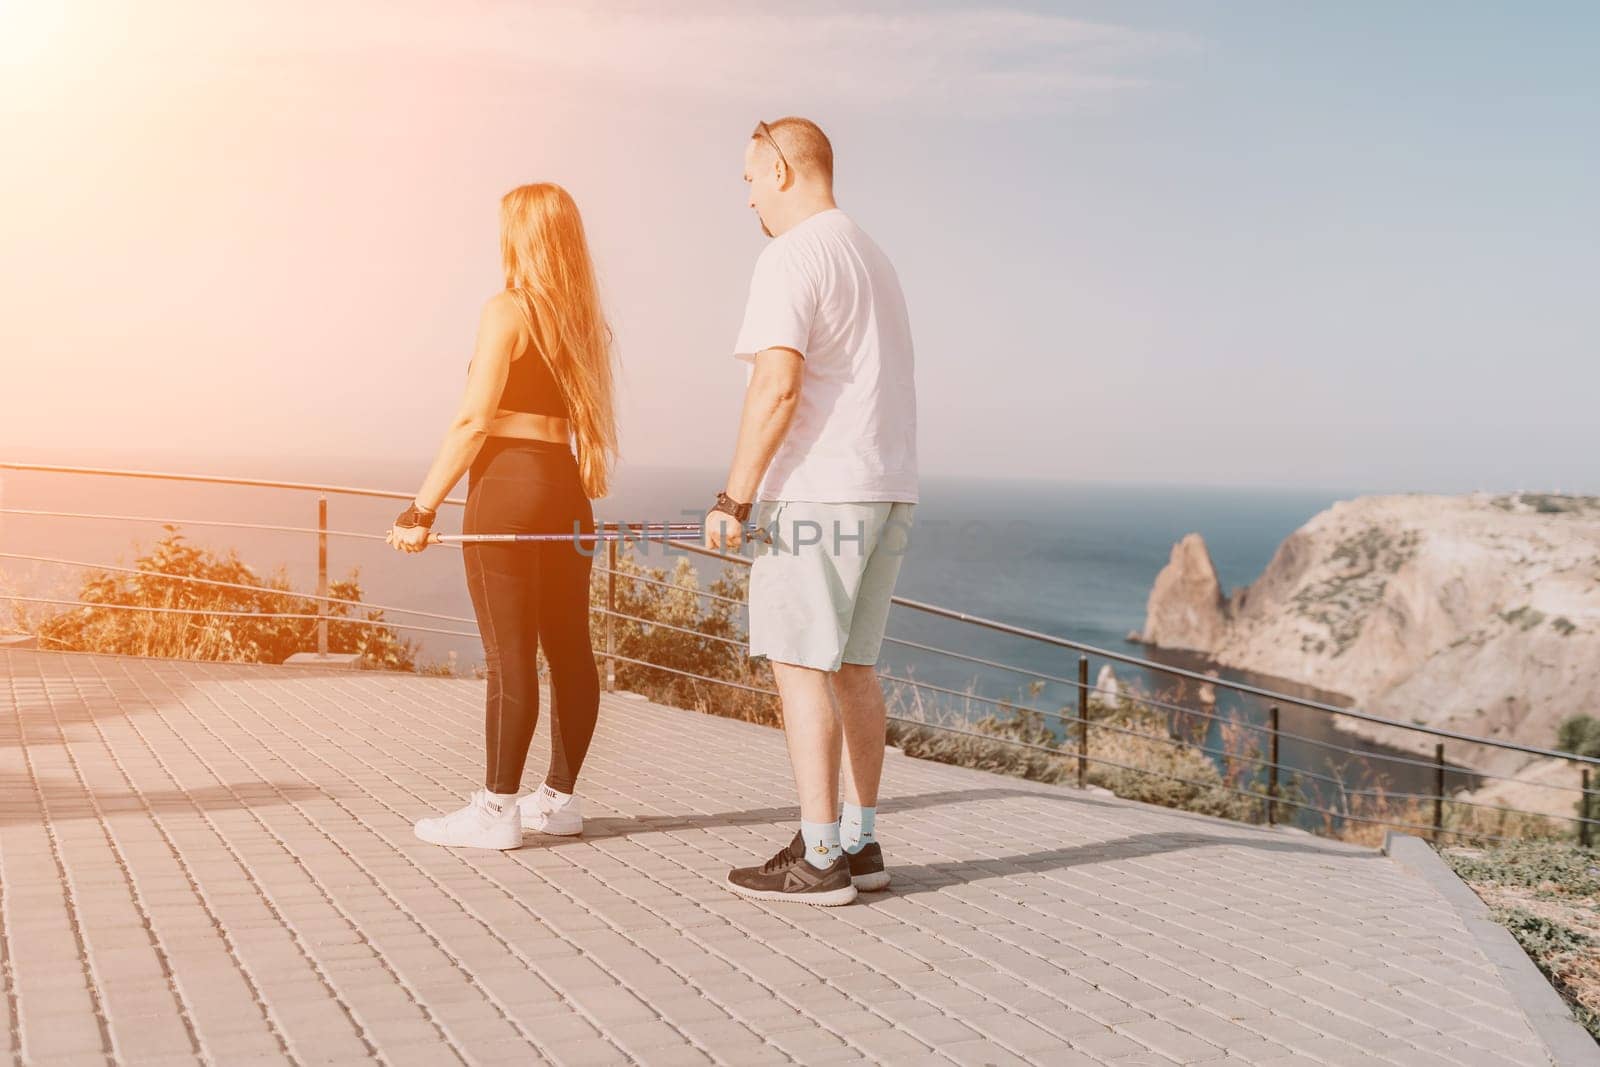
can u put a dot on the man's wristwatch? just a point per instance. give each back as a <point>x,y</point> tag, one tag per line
<point>728,506</point>
<point>414,515</point>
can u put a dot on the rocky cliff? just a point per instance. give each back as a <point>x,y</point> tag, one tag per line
<point>1477,613</point>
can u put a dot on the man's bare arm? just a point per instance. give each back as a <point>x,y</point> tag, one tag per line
<point>769,405</point>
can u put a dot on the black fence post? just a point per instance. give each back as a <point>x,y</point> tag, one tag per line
<point>1438,791</point>
<point>322,575</point>
<point>611,615</point>
<point>1272,767</point>
<point>1583,812</point>
<point>1083,720</point>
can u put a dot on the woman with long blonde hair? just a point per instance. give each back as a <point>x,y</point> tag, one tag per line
<point>540,377</point>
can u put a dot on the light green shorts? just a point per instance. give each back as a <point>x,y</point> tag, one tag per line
<point>819,593</point>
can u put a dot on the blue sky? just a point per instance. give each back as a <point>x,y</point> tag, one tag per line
<point>1188,243</point>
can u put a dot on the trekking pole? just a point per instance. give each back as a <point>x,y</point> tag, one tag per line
<point>656,534</point>
<point>610,531</point>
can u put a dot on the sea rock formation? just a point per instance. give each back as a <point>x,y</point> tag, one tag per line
<point>1476,613</point>
<point>1186,609</point>
<point>1106,686</point>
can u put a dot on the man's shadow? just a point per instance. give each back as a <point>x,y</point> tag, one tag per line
<point>623,825</point>
<point>930,877</point>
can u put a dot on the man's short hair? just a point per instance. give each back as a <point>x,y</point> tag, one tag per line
<point>804,145</point>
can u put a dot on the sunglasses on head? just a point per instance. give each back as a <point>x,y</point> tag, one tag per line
<point>763,130</point>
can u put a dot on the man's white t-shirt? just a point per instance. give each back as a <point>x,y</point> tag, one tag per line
<point>827,291</point>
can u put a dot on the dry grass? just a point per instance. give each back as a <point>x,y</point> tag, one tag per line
<point>242,630</point>
<point>1548,895</point>
<point>712,650</point>
<point>1131,751</point>
<point>698,660</point>
<point>1371,817</point>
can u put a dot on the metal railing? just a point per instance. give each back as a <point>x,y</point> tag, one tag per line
<point>1077,726</point>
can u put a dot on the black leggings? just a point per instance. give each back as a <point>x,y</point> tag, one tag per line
<point>532,594</point>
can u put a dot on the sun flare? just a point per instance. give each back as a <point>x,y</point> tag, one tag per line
<point>28,30</point>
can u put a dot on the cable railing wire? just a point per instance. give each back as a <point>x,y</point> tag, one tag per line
<point>602,654</point>
<point>926,608</point>
<point>1468,803</point>
<point>261,590</point>
<point>980,660</point>
<point>214,479</point>
<point>933,609</point>
<point>1057,752</point>
<point>995,701</point>
<point>1410,761</point>
<point>916,605</point>
<point>155,519</point>
<point>1279,802</point>
<point>934,726</point>
<point>1110,727</point>
<point>1289,735</point>
<point>1059,716</point>
<point>1128,694</point>
<point>1238,687</point>
<point>624,576</point>
<point>1264,728</point>
<point>331,619</point>
<point>1134,695</point>
<point>1175,742</point>
<point>1182,742</point>
<point>1037,675</point>
<point>642,621</point>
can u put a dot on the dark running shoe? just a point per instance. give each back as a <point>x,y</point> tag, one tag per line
<point>790,876</point>
<point>866,868</point>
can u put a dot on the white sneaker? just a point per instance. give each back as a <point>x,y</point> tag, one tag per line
<point>542,812</point>
<point>483,823</point>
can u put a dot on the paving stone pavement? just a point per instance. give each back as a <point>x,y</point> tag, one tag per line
<point>214,863</point>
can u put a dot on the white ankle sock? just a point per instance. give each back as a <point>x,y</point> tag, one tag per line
<point>822,843</point>
<point>500,801</point>
<point>856,827</point>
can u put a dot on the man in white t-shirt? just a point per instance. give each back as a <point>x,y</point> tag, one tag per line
<point>827,455</point>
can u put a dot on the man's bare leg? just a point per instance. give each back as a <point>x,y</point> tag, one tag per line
<point>812,728</point>
<point>864,717</point>
<point>818,871</point>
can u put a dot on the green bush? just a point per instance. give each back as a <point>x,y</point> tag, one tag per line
<point>1132,752</point>
<point>713,646</point>
<point>1579,735</point>
<point>1547,895</point>
<point>1557,871</point>
<point>239,638</point>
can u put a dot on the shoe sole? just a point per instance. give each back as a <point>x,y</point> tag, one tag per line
<point>495,847</point>
<point>872,883</point>
<point>833,898</point>
<point>530,826</point>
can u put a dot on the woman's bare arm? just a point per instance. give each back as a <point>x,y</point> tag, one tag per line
<point>499,331</point>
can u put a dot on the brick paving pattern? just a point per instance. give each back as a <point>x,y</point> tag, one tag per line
<point>214,863</point>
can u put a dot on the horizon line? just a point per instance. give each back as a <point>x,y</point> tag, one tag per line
<point>1341,492</point>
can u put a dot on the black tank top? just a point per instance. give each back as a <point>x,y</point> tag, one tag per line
<point>531,388</point>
